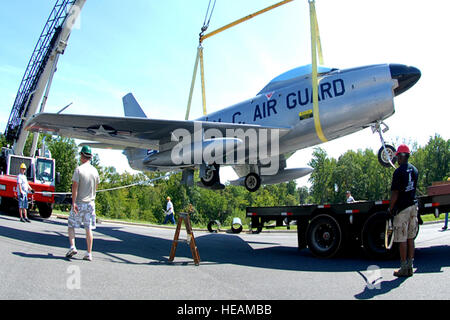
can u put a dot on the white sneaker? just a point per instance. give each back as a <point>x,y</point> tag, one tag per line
<point>71,252</point>
<point>87,257</point>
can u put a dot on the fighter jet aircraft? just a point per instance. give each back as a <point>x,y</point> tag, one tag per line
<point>255,136</point>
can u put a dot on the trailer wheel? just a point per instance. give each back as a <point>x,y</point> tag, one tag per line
<point>45,209</point>
<point>257,230</point>
<point>256,225</point>
<point>324,236</point>
<point>373,234</point>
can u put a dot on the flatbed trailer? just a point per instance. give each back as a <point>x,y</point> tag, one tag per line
<point>327,229</point>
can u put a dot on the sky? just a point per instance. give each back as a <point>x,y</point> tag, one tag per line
<point>148,47</point>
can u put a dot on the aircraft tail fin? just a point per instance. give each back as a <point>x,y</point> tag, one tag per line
<point>131,107</point>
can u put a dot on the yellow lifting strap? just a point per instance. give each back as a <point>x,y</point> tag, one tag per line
<point>315,46</point>
<point>194,75</point>
<point>232,24</point>
<point>202,77</point>
<point>200,53</point>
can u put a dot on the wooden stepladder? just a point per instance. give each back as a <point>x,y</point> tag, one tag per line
<point>190,238</point>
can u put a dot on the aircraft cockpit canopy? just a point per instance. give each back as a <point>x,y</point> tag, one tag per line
<point>286,78</point>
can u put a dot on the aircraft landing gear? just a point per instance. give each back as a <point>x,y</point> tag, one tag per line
<point>252,182</point>
<point>386,154</point>
<point>211,176</point>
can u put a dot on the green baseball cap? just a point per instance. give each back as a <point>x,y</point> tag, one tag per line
<point>86,150</point>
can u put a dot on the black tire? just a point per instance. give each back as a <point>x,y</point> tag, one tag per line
<point>257,230</point>
<point>213,223</point>
<point>45,209</point>
<point>324,236</point>
<point>382,159</point>
<point>236,230</point>
<point>9,206</point>
<point>372,236</point>
<point>252,182</point>
<point>302,226</point>
<point>211,176</point>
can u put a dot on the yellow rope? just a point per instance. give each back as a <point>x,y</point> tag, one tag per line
<point>315,42</point>
<point>194,75</point>
<point>202,73</point>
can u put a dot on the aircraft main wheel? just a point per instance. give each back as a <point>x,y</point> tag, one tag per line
<point>211,176</point>
<point>252,182</point>
<point>324,236</point>
<point>373,237</point>
<point>383,159</point>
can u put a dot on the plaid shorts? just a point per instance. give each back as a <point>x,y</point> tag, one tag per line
<point>406,224</point>
<point>85,216</point>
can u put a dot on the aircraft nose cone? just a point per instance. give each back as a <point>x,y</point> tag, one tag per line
<point>406,76</point>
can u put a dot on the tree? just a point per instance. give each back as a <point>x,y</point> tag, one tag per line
<point>303,196</point>
<point>3,142</point>
<point>357,171</point>
<point>65,153</point>
<point>322,188</point>
<point>432,162</point>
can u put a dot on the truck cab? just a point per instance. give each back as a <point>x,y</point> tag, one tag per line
<point>41,176</point>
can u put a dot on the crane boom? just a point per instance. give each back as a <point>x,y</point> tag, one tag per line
<point>52,42</point>
<point>41,170</point>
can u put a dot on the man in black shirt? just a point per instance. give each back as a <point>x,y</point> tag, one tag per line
<point>403,207</point>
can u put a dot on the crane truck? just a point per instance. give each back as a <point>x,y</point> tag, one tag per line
<point>33,90</point>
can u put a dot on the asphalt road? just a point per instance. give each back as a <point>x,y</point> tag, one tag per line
<point>131,262</point>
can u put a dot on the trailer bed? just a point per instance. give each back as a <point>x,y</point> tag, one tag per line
<point>327,229</point>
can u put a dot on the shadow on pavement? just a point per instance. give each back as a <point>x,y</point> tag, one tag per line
<point>121,246</point>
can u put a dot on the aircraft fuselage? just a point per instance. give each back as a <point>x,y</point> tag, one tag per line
<point>349,100</point>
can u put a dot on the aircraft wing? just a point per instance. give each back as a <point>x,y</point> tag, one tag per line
<point>135,132</point>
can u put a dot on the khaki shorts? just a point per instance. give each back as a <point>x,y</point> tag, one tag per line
<point>85,216</point>
<point>405,224</point>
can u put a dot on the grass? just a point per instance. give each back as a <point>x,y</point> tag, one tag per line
<point>430,217</point>
<point>425,218</point>
<point>194,225</point>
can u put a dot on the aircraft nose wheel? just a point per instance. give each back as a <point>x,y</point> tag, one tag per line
<point>386,156</point>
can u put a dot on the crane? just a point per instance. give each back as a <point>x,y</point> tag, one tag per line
<point>33,90</point>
